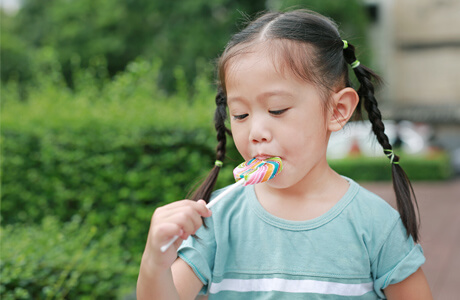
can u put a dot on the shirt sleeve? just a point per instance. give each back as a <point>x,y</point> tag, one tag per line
<point>397,259</point>
<point>199,252</point>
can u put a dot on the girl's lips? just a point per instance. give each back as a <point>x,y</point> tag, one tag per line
<point>264,156</point>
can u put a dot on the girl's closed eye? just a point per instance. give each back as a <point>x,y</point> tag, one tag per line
<point>278,112</point>
<point>240,117</point>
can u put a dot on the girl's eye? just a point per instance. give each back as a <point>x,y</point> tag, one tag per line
<point>278,112</point>
<point>240,117</point>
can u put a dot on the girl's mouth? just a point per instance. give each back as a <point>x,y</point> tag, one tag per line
<point>264,156</point>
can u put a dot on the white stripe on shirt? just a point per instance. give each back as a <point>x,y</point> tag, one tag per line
<point>291,286</point>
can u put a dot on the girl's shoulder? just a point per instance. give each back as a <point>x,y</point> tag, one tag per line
<point>367,200</point>
<point>371,210</point>
<point>371,201</point>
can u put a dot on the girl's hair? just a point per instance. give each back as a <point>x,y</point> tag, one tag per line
<point>309,46</point>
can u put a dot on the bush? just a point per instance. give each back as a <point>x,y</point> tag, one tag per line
<point>108,154</point>
<point>63,261</point>
<point>434,166</point>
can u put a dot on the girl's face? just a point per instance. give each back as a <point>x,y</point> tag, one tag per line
<point>276,114</point>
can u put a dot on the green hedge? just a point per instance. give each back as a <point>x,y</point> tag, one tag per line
<point>433,166</point>
<point>108,159</point>
<point>56,261</point>
<point>107,153</point>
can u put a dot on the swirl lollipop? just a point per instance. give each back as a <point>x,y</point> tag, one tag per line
<point>249,172</point>
<point>257,170</point>
<point>252,172</point>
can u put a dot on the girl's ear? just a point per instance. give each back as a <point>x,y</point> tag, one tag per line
<point>343,105</point>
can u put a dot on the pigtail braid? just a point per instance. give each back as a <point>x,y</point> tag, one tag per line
<point>405,196</point>
<point>205,189</point>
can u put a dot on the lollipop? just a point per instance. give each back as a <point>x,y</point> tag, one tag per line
<point>249,172</point>
<point>252,172</point>
<point>257,170</point>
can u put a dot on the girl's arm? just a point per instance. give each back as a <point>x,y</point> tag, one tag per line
<point>413,287</point>
<point>155,284</point>
<point>179,282</point>
<point>163,275</point>
<point>187,283</point>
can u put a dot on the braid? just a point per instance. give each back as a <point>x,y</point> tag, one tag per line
<point>219,123</point>
<point>405,196</point>
<point>220,115</point>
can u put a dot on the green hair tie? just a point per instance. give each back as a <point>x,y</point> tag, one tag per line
<point>355,64</point>
<point>345,44</point>
<point>389,153</point>
<point>218,163</point>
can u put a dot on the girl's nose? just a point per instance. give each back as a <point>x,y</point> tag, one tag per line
<point>260,131</point>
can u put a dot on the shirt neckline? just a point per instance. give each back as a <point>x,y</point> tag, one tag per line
<point>260,211</point>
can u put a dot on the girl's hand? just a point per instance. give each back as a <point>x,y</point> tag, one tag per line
<point>181,218</point>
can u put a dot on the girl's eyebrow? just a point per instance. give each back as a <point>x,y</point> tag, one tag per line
<point>269,94</point>
<point>262,97</point>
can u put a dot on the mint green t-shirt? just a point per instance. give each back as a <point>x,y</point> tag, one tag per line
<point>353,251</point>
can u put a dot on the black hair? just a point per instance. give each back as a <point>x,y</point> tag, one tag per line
<point>309,45</point>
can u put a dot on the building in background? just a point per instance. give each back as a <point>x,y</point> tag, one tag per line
<point>417,50</point>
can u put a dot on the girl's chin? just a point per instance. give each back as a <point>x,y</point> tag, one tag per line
<point>279,182</point>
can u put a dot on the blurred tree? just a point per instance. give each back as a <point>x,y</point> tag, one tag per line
<point>14,51</point>
<point>177,32</point>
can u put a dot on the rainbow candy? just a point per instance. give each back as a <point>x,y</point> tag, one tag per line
<point>257,170</point>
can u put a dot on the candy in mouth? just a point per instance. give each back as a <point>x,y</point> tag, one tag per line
<point>258,170</point>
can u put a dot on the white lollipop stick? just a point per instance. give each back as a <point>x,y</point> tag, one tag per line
<point>224,193</point>
<point>209,205</point>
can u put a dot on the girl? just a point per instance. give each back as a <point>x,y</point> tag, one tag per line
<point>309,232</point>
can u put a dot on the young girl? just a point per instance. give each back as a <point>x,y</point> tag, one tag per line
<point>309,232</point>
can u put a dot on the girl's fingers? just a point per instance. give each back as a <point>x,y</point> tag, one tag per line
<point>183,210</point>
<point>185,214</point>
<point>164,232</point>
<point>181,218</point>
<point>191,217</point>
<point>171,209</point>
<point>177,243</point>
<point>202,209</point>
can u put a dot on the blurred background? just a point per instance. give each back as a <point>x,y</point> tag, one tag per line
<point>106,114</point>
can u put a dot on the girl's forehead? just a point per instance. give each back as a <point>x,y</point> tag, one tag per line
<point>247,61</point>
<point>256,71</point>
<point>287,58</point>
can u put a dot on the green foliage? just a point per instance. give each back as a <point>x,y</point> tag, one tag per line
<point>109,155</point>
<point>14,53</point>
<point>119,31</point>
<point>63,261</point>
<point>435,166</point>
<point>109,152</point>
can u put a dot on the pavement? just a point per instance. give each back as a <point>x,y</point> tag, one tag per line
<point>439,204</point>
